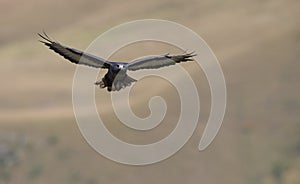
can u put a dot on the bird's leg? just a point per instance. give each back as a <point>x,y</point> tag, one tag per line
<point>101,83</point>
<point>98,82</point>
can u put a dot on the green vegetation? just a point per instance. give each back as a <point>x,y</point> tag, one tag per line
<point>278,170</point>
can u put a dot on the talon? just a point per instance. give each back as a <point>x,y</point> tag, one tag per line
<point>102,85</point>
<point>97,82</point>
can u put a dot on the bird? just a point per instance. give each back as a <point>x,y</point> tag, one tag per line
<point>116,77</point>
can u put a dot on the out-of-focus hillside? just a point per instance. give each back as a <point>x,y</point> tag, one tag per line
<point>256,42</point>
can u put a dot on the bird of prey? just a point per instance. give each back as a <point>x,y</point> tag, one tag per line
<point>116,78</point>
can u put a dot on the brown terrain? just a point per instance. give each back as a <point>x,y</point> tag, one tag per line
<point>256,42</point>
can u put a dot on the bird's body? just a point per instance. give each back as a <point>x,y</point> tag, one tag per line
<point>116,78</point>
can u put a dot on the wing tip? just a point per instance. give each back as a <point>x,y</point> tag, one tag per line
<point>45,38</point>
<point>190,54</point>
<point>186,56</point>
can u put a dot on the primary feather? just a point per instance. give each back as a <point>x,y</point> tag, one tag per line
<point>74,55</point>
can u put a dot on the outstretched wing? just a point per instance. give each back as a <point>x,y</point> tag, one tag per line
<point>74,55</point>
<point>153,62</point>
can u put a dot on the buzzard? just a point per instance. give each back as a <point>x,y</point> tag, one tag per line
<point>116,78</point>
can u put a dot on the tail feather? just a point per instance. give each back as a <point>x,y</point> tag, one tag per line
<point>117,84</point>
<point>129,80</point>
<point>120,84</point>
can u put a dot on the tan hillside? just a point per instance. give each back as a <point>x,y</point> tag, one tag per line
<point>256,42</point>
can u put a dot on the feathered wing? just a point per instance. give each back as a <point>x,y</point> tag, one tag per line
<point>74,55</point>
<point>153,62</point>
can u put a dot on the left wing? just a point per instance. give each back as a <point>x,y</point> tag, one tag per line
<point>154,62</point>
<point>74,55</point>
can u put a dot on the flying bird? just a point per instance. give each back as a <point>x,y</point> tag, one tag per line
<point>116,77</point>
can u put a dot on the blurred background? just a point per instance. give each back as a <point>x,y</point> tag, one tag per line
<point>257,43</point>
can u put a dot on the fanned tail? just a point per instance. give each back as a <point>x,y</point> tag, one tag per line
<point>117,84</point>
<point>121,84</point>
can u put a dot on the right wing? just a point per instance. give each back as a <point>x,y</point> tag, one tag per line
<point>74,55</point>
<point>154,62</point>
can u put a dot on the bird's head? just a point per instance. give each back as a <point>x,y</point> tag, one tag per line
<point>120,66</point>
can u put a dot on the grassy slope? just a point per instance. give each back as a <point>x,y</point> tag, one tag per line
<point>256,42</point>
